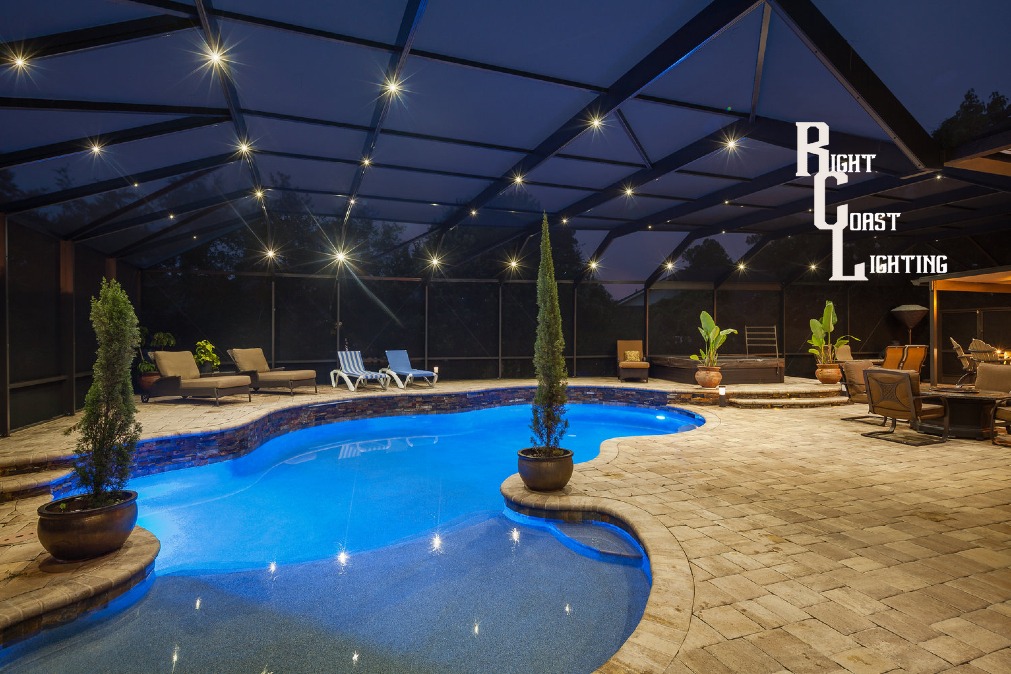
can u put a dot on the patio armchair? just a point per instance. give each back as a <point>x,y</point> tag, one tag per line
<point>983,352</point>
<point>632,362</point>
<point>895,394</point>
<point>913,357</point>
<point>893,357</point>
<point>252,363</point>
<point>352,367</point>
<point>179,376</point>
<point>967,361</point>
<point>855,386</point>
<point>992,377</point>
<point>844,353</point>
<point>400,370</point>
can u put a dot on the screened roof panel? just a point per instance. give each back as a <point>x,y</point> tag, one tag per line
<point>609,141</point>
<point>731,56</point>
<point>31,128</point>
<point>749,159</point>
<point>774,196</point>
<point>632,208</point>
<point>416,185</point>
<point>313,175</point>
<point>402,151</point>
<point>592,43</point>
<point>398,211</point>
<point>662,129</point>
<point>447,100</point>
<point>686,186</point>
<point>23,20</point>
<point>715,215</point>
<point>795,85</point>
<point>166,70</point>
<point>637,255</point>
<point>901,45</point>
<point>371,20</point>
<point>283,72</point>
<point>538,198</point>
<point>309,139</point>
<point>593,175</point>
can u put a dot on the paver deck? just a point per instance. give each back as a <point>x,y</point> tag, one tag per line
<point>781,539</point>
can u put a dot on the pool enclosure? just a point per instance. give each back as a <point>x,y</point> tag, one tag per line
<point>298,178</point>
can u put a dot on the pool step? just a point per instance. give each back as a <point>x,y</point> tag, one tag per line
<point>791,403</point>
<point>24,485</point>
<point>598,541</point>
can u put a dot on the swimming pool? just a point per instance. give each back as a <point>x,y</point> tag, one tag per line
<point>375,545</point>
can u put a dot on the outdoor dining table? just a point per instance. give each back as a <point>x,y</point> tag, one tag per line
<point>969,412</point>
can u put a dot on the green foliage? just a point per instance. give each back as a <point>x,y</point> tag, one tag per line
<point>205,354</point>
<point>712,339</point>
<point>158,342</point>
<point>973,119</point>
<point>549,424</point>
<point>108,430</point>
<point>822,347</point>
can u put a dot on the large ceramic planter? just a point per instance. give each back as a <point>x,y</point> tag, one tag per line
<point>545,473</point>
<point>708,377</point>
<point>828,373</point>
<point>145,381</point>
<point>72,535</point>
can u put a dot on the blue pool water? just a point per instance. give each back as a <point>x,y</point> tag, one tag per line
<point>376,545</point>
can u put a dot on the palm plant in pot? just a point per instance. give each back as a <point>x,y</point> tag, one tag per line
<point>101,519</point>
<point>823,348</point>
<point>708,374</point>
<point>546,466</point>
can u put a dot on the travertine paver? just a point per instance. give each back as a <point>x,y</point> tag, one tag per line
<point>781,540</point>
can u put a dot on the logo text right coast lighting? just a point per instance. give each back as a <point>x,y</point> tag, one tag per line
<point>838,167</point>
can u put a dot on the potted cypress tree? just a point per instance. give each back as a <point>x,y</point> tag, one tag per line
<point>546,466</point>
<point>101,519</point>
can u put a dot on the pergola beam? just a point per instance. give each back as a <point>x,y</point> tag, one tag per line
<point>22,103</point>
<point>763,40</point>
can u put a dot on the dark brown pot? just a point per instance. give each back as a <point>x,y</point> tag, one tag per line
<point>545,473</point>
<point>73,535</point>
<point>708,377</point>
<point>145,380</point>
<point>828,373</point>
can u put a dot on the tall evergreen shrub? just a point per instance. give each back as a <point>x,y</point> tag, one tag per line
<point>548,425</point>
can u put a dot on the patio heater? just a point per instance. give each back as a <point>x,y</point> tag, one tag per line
<point>910,315</point>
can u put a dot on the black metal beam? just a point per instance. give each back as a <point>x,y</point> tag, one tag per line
<point>836,54</point>
<point>932,201</point>
<point>137,203</point>
<point>96,36</point>
<point>661,269</point>
<point>165,214</point>
<point>990,180</point>
<point>104,140</point>
<point>409,24</point>
<point>144,241</point>
<point>749,254</point>
<point>763,40</point>
<point>69,194</point>
<point>704,26</point>
<point>633,138</point>
<point>212,34</point>
<point>21,103</point>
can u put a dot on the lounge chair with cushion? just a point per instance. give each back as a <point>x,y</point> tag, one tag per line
<point>991,377</point>
<point>632,362</point>
<point>352,367</point>
<point>400,370</point>
<point>181,377</point>
<point>895,394</point>
<point>251,362</point>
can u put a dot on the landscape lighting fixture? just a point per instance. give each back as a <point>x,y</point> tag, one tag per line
<point>19,62</point>
<point>518,180</point>
<point>244,148</point>
<point>593,265</point>
<point>258,194</point>
<point>271,253</point>
<point>366,161</point>
<point>669,266</point>
<point>434,262</point>
<point>813,266</point>
<point>514,263</point>
<point>473,212</point>
<point>96,149</point>
<point>723,396</point>
<point>740,265</point>
<point>731,144</point>
<point>340,256</point>
<point>596,122</point>
<point>629,192</point>
<point>392,87</point>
